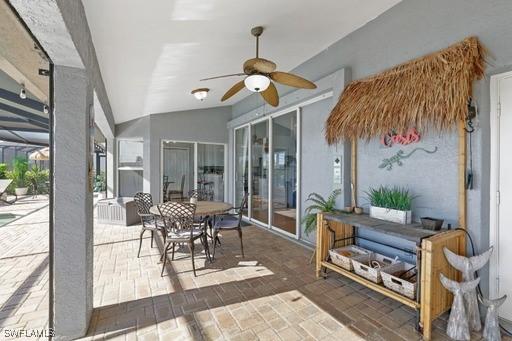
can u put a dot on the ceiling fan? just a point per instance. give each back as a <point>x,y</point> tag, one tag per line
<point>259,74</point>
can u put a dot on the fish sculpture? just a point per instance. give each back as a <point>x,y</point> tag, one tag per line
<point>492,324</point>
<point>458,326</point>
<point>468,266</point>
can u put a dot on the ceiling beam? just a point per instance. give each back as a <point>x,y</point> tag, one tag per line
<point>24,129</point>
<point>22,113</point>
<point>21,120</point>
<point>32,143</point>
<point>15,98</point>
<point>16,135</point>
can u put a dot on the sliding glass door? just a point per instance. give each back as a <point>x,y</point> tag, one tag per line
<point>284,172</point>
<point>210,171</point>
<point>178,169</point>
<point>241,165</point>
<point>188,166</point>
<point>266,161</point>
<point>259,171</point>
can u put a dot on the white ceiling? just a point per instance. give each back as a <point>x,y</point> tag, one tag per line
<point>153,53</point>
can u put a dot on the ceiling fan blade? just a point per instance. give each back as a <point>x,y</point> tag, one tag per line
<point>270,95</point>
<point>234,89</point>
<point>291,80</point>
<point>223,76</point>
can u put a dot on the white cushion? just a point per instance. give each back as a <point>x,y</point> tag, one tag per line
<point>183,234</point>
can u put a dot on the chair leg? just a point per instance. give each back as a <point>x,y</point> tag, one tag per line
<point>241,242</point>
<point>191,248</point>
<point>215,233</point>
<point>163,265</point>
<point>140,241</point>
<point>165,260</point>
<point>204,241</point>
<point>173,246</point>
<point>152,238</point>
<point>166,249</point>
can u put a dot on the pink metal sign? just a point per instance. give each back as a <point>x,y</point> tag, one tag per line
<point>392,138</point>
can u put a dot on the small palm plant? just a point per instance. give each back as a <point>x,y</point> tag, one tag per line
<point>319,204</point>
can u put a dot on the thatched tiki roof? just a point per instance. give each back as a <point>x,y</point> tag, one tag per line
<point>431,91</point>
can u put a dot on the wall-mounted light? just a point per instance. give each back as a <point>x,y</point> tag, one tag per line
<point>257,83</point>
<point>23,92</point>
<point>46,109</point>
<point>201,93</point>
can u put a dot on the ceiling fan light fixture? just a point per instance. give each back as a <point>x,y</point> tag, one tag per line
<point>257,83</point>
<point>200,94</point>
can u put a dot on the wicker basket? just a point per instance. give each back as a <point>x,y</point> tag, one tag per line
<point>343,255</point>
<point>401,277</point>
<point>370,266</point>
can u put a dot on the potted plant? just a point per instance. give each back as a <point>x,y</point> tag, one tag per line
<point>319,204</point>
<point>100,185</point>
<point>17,174</point>
<point>391,204</point>
<point>37,177</point>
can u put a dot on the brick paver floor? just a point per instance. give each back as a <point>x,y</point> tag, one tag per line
<point>24,266</point>
<point>271,294</point>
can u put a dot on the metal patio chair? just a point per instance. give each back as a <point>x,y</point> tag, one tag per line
<point>144,201</point>
<point>178,219</point>
<point>228,222</point>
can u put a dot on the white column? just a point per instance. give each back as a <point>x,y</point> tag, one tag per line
<point>111,168</point>
<point>73,225</point>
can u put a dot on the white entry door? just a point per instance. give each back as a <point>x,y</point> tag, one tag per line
<point>502,260</point>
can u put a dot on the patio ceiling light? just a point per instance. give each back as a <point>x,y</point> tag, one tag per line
<point>200,94</point>
<point>257,83</point>
<point>23,92</point>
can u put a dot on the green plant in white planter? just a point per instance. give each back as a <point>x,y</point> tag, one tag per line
<point>391,204</point>
<point>18,175</point>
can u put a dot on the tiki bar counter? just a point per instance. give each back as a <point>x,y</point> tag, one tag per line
<point>405,136</point>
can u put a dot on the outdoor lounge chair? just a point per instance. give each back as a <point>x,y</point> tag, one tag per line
<point>4,183</point>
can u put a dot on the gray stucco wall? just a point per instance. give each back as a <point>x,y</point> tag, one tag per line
<point>412,29</point>
<point>431,178</point>
<point>409,30</point>
<point>317,156</point>
<point>204,125</point>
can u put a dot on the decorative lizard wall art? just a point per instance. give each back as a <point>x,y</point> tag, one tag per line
<point>400,155</point>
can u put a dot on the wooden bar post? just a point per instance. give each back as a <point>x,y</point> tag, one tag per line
<point>353,169</point>
<point>321,250</point>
